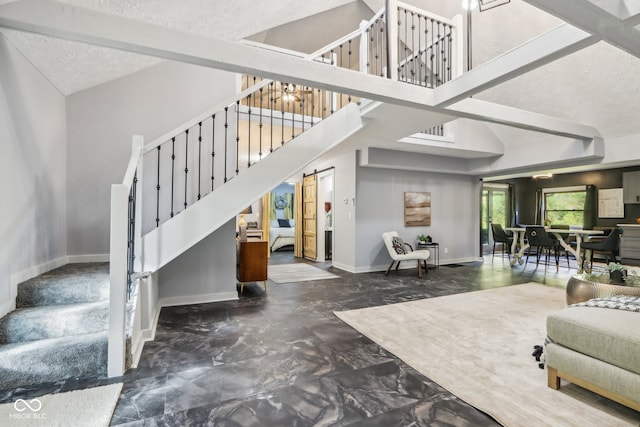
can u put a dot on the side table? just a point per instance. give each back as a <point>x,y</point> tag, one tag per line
<point>434,248</point>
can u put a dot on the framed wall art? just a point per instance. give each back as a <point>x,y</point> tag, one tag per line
<point>417,208</point>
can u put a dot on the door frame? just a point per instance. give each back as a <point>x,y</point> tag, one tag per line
<point>487,215</point>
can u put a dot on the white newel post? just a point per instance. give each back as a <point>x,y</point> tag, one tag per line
<point>118,279</point>
<point>118,261</point>
<point>391,8</point>
<point>458,46</point>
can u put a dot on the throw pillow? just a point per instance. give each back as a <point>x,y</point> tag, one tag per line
<point>284,223</point>
<point>398,245</point>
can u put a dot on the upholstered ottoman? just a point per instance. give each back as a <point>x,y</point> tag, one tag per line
<point>598,349</point>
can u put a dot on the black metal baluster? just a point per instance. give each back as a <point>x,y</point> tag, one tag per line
<point>282,110</point>
<point>158,190</point>
<point>272,109</point>
<point>186,162</point>
<point>260,127</point>
<point>237,137</point>
<point>226,134</point>
<point>313,108</point>
<point>293,117</point>
<point>199,158</point>
<point>249,137</point>
<point>419,56</point>
<point>413,49</point>
<point>173,164</point>
<point>380,42</point>
<point>131,232</point>
<point>302,112</point>
<point>432,54</point>
<point>213,149</point>
<point>426,51</point>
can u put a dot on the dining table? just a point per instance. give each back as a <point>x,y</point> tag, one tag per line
<point>559,233</point>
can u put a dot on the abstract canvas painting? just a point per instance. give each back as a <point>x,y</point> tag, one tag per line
<point>417,208</point>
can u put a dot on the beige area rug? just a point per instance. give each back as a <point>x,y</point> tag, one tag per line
<point>81,408</point>
<point>300,272</point>
<point>478,346</point>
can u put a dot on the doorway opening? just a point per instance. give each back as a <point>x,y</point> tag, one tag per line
<point>496,200</point>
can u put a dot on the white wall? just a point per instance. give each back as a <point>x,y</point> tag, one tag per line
<point>32,173</point>
<point>101,121</point>
<point>204,273</point>
<point>455,211</point>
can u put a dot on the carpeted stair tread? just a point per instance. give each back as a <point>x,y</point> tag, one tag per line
<point>37,323</point>
<point>69,284</point>
<point>53,359</point>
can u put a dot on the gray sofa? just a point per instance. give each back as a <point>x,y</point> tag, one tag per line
<point>598,349</point>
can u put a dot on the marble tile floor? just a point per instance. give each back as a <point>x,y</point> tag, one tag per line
<point>282,358</point>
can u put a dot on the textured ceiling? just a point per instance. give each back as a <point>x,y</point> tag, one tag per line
<point>598,86</point>
<point>72,66</point>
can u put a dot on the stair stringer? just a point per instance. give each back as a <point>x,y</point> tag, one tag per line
<point>165,243</point>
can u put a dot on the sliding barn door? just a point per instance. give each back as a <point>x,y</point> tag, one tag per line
<point>309,216</point>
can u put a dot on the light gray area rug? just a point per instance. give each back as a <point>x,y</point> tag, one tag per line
<point>478,346</point>
<point>300,272</point>
<point>88,407</point>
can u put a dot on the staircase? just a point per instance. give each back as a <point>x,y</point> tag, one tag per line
<point>59,328</point>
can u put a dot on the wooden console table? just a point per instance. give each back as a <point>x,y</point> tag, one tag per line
<point>251,262</point>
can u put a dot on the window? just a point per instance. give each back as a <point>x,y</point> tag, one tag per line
<point>565,206</point>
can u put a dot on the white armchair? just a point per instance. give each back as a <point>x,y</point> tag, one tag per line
<point>401,251</point>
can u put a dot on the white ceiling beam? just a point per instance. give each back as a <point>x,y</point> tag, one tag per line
<point>472,108</point>
<point>545,48</point>
<point>589,17</point>
<point>621,9</point>
<point>68,22</point>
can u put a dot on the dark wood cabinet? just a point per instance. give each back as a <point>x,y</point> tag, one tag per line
<point>251,262</point>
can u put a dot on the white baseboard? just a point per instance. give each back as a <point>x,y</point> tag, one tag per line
<point>403,265</point>
<point>198,299</point>
<point>16,278</point>
<point>87,258</point>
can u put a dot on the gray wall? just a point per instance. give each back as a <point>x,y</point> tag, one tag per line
<point>204,273</point>
<point>101,122</point>
<point>32,172</point>
<point>380,205</point>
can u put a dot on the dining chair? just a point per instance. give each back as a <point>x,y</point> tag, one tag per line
<point>543,244</point>
<point>501,237</point>
<point>609,246</point>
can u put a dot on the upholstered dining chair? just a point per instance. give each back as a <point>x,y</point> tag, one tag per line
<point>501,237</point>
<point>608,246</point>
<point>543,243</point>
<point>401,251</point>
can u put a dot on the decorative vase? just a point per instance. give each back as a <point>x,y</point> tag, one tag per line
<point>579,290</point>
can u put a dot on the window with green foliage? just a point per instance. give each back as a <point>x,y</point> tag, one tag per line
<point>564,207</point>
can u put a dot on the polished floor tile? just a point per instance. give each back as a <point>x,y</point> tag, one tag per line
<point>283,358</point>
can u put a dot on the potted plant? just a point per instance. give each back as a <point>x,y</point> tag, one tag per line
<point>617,273</point>
<point>614,279</point>
<point>422,239</point>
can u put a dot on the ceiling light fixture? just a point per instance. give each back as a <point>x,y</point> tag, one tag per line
<point>543,176</point>
<point>469,4</point>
